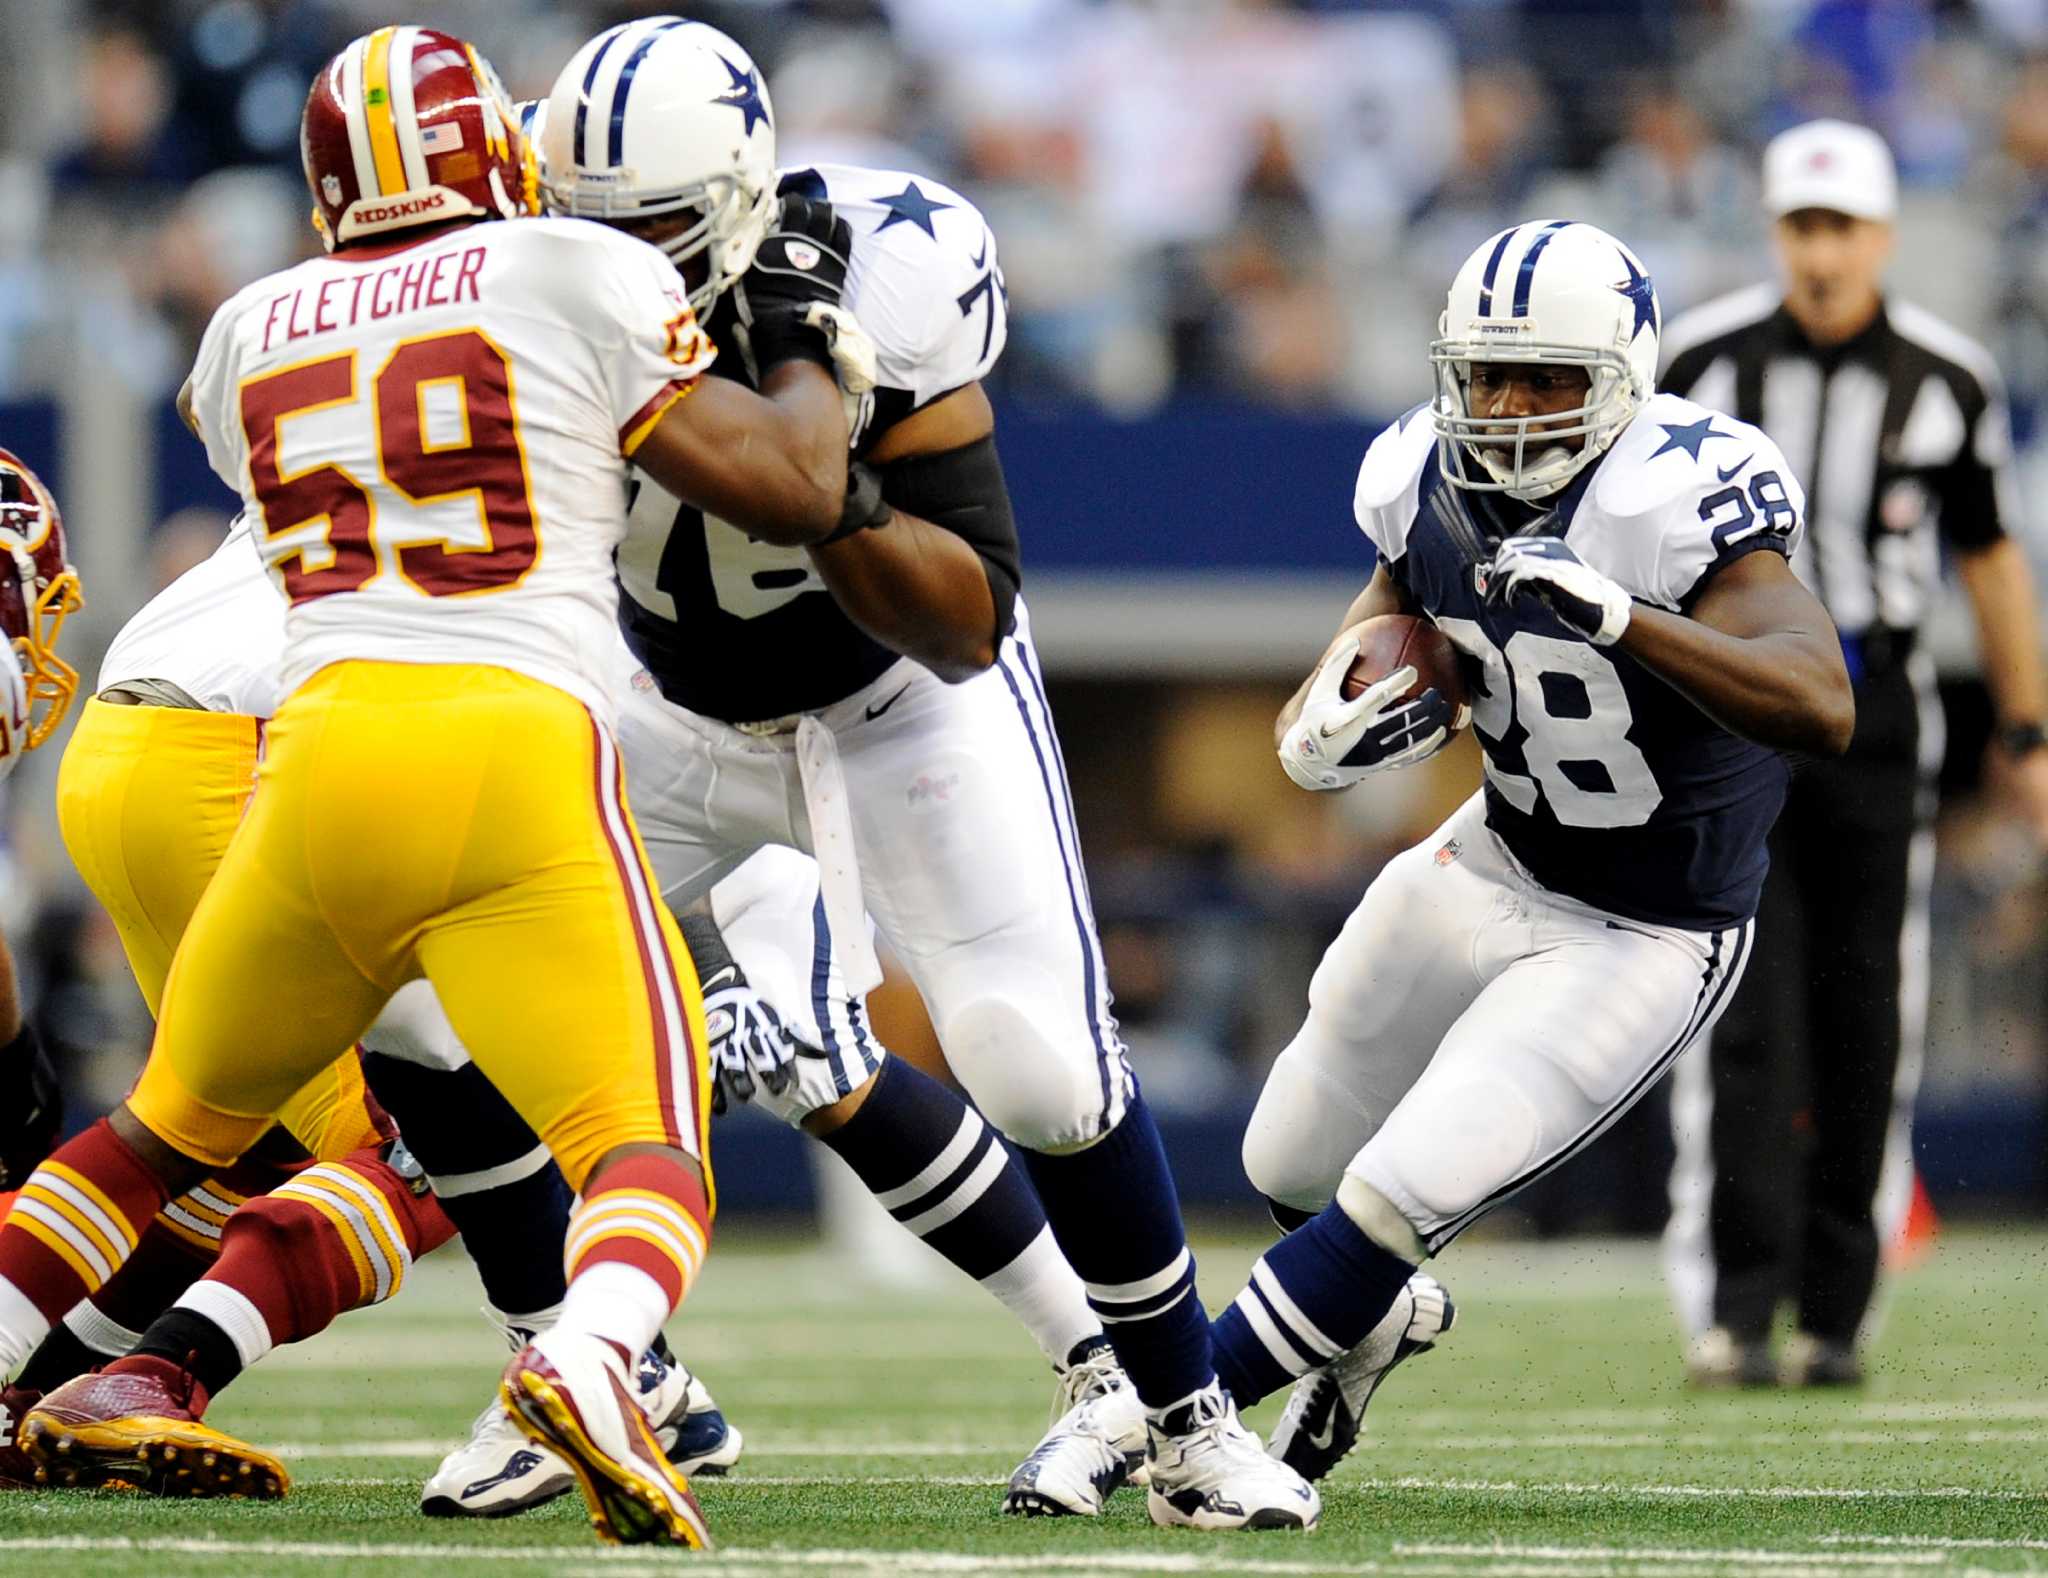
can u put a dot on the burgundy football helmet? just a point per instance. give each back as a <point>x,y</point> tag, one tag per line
<point>410,126</point>
<point>38,590</point>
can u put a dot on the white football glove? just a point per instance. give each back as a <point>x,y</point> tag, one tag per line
<point>1544,569</point>
<point>1335,743</point>
<point>854,360</point>
<point>749,1047</point>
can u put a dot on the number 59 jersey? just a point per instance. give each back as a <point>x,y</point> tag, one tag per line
<point>430,438</point>
<point>1602,780</point>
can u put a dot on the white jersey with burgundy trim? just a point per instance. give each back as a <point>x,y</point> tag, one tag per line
<point>430,440</point>
<point>742,630</point>
<point>216,632</point>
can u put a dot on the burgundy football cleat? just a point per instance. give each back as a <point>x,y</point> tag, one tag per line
<point>135,1427</point>
<point>570,1394</point>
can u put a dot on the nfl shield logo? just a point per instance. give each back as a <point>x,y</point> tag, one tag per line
<point>1450,852</point>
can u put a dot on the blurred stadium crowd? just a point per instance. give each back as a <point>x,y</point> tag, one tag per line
<point>1253,201</point>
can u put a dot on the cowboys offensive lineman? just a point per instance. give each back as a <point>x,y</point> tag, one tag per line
<point>1614,563</point>
<point>877,701</point>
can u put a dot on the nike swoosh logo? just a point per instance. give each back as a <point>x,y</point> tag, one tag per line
<point>1725,475</point>
<point>875,712</point>
<point>981,257</point>
<point>729,973</point>
<point>1321,1439</point>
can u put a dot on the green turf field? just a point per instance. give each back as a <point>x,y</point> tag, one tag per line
<point>1549,1437</point>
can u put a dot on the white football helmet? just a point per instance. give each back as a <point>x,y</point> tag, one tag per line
<point>1552,291</point>
<point>660,117</point>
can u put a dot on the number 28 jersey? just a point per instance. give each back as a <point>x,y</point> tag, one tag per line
<point>430,440</point>
<point>1602,780</point>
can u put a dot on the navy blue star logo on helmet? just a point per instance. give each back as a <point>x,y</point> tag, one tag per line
<point>912,206</point>
<point>1641,294</point>
<point>744,95</point>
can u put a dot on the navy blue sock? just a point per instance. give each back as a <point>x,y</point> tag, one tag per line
<point>1116,1216</point>
<point>1312,1296</point>
<point>490,1172</point>
<point>940,1170</point>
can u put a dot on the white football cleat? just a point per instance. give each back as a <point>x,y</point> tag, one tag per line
<point>574,1395</point>
<point>1325,1413</point>
<point>495,1473</point>
<point>1210,1472</point>
<point>693,1433</point>
<point>1097,1442</point>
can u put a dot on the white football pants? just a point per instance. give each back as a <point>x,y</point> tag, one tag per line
<point>946,809</point>
<point>1469,1030</point>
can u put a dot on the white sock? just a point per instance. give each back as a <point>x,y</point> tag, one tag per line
<point>617,1302</point>
<point>232,1313</point>
<point>103,1336</point>
<point>1041,1290</point>
<point>22,1328</point>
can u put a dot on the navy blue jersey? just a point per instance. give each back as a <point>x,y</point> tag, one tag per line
<point>1603,781</point>
<point>742,630</point>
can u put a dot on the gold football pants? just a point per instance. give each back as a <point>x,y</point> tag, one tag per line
<point>147,800</point>
<point>459,822</point>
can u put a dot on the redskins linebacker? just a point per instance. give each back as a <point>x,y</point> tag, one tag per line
<point>432,425</point>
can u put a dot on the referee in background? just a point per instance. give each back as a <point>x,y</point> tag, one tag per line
<point>1792,1123</point>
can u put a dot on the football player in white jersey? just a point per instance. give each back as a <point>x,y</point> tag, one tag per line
<point>433,424</point>
<point>38,590</point>
<point>875,699</point>
<point>1614,564</point>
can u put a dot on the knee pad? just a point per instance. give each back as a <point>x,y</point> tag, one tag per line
<point>1044,1093</point>
<point>1301,1134</point>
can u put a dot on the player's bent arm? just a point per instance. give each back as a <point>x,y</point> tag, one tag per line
<point>919,587</point>
<point>1759,655</point>
<point>773,463</point>
<point>1382,595</point>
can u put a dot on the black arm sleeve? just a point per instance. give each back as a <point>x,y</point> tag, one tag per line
<point>962,490</point>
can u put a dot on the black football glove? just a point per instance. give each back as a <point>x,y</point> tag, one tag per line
<point>801,264</point>
<point>31,1108</point>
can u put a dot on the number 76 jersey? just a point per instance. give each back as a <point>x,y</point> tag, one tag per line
<point>1601,779</point>
<point>431,439</point>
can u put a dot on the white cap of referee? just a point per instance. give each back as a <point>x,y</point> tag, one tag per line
<point>1835,165</point>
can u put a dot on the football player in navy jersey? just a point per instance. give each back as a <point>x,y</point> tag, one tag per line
<point>1614,564</point>
<point>874,698</point>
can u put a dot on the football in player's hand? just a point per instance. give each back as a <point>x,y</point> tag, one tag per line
<point>1392,641</point>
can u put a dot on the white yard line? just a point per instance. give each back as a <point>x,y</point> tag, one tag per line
<point>1660,1556</point>
<point>1417,1560</point>
<point>1516,1487</point>
<point>1931,1541</point>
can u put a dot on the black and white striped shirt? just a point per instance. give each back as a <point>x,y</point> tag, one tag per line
<point>1901,436</point>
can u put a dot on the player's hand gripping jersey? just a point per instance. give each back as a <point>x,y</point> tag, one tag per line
<point>418,501</point>
<point>1602,781</point>
<point>742,630</point>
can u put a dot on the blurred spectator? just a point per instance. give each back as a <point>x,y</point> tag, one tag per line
<point>243,66</point>
<point>124,152</point>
